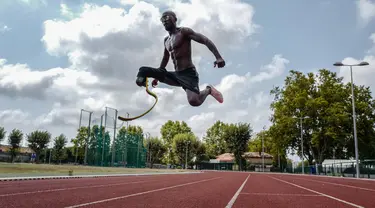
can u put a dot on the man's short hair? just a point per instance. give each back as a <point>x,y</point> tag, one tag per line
<point>169,12</point>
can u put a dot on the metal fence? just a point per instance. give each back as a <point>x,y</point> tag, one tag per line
<point>127,150</point>
<point>343,169</point>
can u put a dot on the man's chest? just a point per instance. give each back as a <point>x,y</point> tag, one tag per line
<point>174,42</point>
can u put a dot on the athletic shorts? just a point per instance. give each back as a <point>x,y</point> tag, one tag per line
<point>187,78</point>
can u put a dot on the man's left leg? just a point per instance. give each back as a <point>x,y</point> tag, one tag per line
<point>196,99</point>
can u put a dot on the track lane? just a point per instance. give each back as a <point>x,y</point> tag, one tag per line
<point>365,184</point>
<point>18,187</point>
<point>361,197</point>
<point>78,196</point>
<point>208,194</point>
<point>262,191</point>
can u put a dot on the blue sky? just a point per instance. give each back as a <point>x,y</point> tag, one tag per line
<point>282,35</point>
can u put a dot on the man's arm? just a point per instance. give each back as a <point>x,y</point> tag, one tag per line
<point>166,55</point>
<point>200,38</point>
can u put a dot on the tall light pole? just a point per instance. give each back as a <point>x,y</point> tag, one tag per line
<point>186,156</point>
<point>301,127</point>
<point>353,105</point>
<point>127,123</point>
<point>262,153</point>
<point>149,147</point>
<point>88,133</point>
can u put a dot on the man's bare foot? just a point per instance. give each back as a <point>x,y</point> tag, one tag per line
<point>216,94</point>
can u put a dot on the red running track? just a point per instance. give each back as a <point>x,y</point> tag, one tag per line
<point>208,190</point>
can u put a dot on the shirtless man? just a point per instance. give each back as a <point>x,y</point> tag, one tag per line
<point>178,46</point>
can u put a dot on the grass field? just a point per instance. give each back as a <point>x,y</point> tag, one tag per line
<point>27,169</point>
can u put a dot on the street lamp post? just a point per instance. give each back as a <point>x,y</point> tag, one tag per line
<point>264,128</point>
<point>186,156</point>
<point>353,105</point>
<point>301,126</point>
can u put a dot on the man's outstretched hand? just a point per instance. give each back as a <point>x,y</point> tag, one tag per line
<point>154,83</point>
<point>220,63</point>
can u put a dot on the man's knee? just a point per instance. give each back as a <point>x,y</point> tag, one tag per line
<point>194,101</point>
<point>143,71</point>
<point>141,81</point>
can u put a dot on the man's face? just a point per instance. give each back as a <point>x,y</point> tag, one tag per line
<point>168,21</point>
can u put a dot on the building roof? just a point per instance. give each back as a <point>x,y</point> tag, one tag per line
<point>227,157</point>
<point>5,148</point>
<point>230,156</point>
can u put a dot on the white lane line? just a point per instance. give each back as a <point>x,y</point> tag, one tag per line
<point>276,194</point>
<point>141,193</point>
<point>234,198</point>
<point>71,188</point>
<point>328,196</point>
<point>338,184</point>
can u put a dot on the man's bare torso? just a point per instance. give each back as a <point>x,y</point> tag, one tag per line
<point>179,48</point>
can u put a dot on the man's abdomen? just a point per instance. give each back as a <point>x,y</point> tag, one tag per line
<point>183,63</point>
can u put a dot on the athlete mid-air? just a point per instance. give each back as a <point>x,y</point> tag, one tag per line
<point>178,46</point>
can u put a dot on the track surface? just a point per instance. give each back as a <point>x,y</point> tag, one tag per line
<point>209,189</point>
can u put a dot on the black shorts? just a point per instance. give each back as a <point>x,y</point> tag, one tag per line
<point>187,78</point>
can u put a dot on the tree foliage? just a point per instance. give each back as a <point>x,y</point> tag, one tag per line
<point>2,133</point>
<point>214,140</point>
<point>172,128</point>
<point>270,145</point>
<point>14,139</point>
<point>184,147</point>
<point>79,143</point>
<point>237,136</point>
<point>59,150</point>
<point>168,131</point>
<point>155,150</point>
<point>321,102</point>
<point>38,141</point>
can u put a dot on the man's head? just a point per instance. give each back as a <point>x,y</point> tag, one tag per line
<point>169,20</point>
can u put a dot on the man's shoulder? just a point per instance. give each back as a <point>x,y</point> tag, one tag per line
<point>186,30</point>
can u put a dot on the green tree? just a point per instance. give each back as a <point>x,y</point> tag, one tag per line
<point>79,143</point>
<point>155,150</point>
<point>134,129</point>
<point>271,146</point>
<point>14,139</point>
<point>184,144</point>
<point>59,150</point>
<point>171,128</point>
<point>365,110</point>
<point>38,141</point>
<point>2,133</point>
<point>168,131</point>
<point>237,136</point>
<point>324,103</point>
<point>214,140</point>
<point>201,152</point>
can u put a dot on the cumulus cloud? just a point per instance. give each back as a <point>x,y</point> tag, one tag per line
<point>366,10</point>
<point>15,116</point>
<point>66,11</point>
<point>4,28</point>
<point>18,80</point>
<point>362,75</point>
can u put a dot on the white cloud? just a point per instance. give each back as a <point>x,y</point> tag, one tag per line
<point>66,11</point>
<point>14,116</point>
<point>362,75</point>
<point>106,46</point>
<point>4,28</point>
<point>366,10</point>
